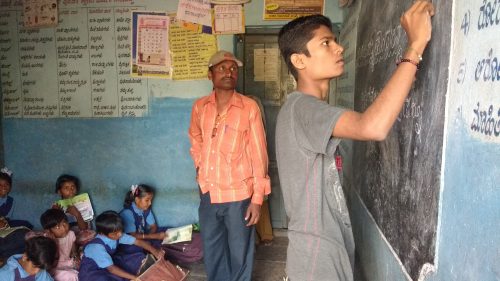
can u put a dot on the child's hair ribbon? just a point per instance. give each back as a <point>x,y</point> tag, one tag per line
<point>5,170</point>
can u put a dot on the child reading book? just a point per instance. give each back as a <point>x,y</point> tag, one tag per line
<point>67,186</point>
<point>98,263</point>
<point>77,207</point>
<point>55,221</point>
<point>138,219</point>
<point>39,256</point>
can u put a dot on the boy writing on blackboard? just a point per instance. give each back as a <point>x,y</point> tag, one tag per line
<point>308,131</point>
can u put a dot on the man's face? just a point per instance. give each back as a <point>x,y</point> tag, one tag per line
<point>326,59</point>
<point>224,75</point>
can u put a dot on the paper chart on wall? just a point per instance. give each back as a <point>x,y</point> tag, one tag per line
<point>229,19</point>
<point>40,13</point>
<point>150,51</point>
<point>195,11</point>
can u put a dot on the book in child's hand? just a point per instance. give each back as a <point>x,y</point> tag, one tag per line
<point>178,234</point>
<point>8,230</point>
<point>81,202</point>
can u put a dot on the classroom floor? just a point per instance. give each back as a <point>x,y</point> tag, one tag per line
<point>269,262</point>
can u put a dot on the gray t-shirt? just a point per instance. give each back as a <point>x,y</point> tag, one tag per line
<point>320,246</point>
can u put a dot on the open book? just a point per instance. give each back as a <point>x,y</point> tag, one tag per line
<point>178,234</point>
<point>8,230</point>
<point>81,202</point>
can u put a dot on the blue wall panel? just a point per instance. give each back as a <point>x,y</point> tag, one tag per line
<point>108,155</point>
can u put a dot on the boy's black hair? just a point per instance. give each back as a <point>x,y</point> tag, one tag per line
<point>294,36</point>
<point>141,191</point>
<point>42,252</point>
<point>52,217</point>
<point>6,177</point>
<point>108,222</point>
<point>66,178</point>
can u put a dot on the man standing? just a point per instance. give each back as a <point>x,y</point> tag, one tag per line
<point>228,147</point>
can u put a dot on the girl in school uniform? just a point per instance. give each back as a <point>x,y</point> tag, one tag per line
<point>138,219</point>
<point>55,222</point>
<point>39,256</point>
<point>98,262</point>
<point>12,243</point>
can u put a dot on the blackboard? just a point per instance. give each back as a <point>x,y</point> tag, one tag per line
<point>399,179</point>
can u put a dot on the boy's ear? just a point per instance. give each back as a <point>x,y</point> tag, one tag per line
<point>297,61</point>
<point>209,74</point>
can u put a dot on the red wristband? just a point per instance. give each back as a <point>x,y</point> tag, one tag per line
<point>409,61</point>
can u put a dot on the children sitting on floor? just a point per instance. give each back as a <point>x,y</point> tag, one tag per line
<point>98,263</point>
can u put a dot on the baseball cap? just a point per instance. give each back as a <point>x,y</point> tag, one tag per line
<point>221,56</point>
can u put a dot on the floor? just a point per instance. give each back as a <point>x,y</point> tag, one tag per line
<point>269,262</point>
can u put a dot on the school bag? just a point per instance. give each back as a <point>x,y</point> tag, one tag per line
<point>185,252</point>
<point>163,270</point>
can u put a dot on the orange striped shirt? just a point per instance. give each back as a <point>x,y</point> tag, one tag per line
<point>232,164</point>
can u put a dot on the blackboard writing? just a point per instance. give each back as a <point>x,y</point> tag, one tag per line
<point>399,179</point>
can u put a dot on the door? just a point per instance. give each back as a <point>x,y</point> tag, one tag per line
<point>265,75</point>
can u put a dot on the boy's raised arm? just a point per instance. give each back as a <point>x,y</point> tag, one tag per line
<point>377,120</point>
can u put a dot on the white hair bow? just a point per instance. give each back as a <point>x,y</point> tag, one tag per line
<point>6,171</point>
<point>133,188</point>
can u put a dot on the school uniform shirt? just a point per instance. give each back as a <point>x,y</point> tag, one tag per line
<point>98,252</point>
<point>8,271</point>
<point>9,213</point>
<point>230,155</point>
<point>129,220</point>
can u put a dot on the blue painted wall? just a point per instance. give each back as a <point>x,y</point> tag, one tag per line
<point>109,155</point>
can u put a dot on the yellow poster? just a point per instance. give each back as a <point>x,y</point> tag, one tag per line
<point>290,9</point>
<point>190,52</point>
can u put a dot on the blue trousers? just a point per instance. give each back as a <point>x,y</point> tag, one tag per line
<point>228,244</point>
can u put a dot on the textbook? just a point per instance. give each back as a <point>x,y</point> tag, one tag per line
<point>178,234</point>
<point>8,230</point>
<point>81,202</point>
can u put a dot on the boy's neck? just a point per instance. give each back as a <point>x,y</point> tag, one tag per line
<point>318,89</point>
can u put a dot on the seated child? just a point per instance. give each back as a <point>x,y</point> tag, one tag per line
<point>55,221</point>
<point>40,255</point>
<point>68,186</point>
<point>138,219</point>
<point>13,243</point>
<point>98,263</point>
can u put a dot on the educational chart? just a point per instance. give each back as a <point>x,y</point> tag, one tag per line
<point>476,69</point>
<point>150,52</point>
<point>399,178</point>
<point>65,71</point>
